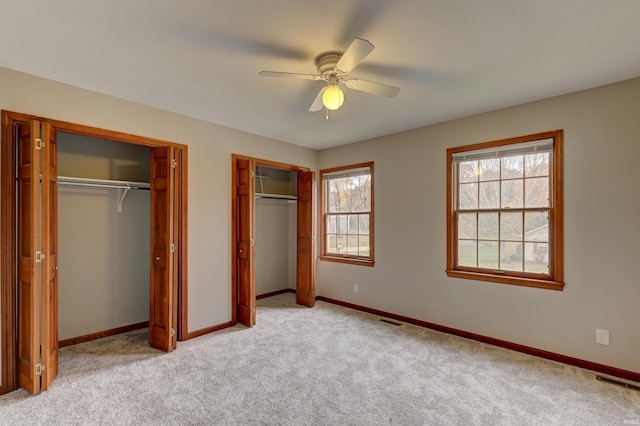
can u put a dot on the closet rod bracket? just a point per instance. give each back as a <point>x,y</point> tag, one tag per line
<point>122,194</point>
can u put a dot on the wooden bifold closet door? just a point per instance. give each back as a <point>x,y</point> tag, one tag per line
<point>245,247</point>
<point>164,236</point>
<point>37,257</point>
<point>305,271</point>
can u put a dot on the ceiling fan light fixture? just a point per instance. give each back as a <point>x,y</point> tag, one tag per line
<point>333,97</point>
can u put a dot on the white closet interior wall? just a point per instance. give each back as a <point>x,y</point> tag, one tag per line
<point>103,254</point>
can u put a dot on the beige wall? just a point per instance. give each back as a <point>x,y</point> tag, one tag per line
<point>274,256</point>
<point>602,230</point>
<point>210,149</point>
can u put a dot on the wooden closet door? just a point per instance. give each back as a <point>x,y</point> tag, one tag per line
<point>37,257</point>
<point>163,280</point>
<point>245,248</point>
<point>305,271</point>
<point>29,254</point>
<point>49,296</point>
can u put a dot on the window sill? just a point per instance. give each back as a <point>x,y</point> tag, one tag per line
<point>505,279</point>
<point>349,260</point>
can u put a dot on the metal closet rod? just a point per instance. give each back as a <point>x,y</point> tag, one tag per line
<point>102,183</point>
<point>123,186</point>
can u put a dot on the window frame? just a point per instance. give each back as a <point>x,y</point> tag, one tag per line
<point>555,279</point>
<point>345,258</point>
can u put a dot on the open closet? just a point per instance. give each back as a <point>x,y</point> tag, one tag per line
<point>265,237</point>
<point>103,236</point>
<point>87,200</point>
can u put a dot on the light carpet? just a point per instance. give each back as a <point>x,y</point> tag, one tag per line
<point>323,366</point>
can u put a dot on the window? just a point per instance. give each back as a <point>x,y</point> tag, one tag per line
<point>504,211</point>
<point>347,214</point>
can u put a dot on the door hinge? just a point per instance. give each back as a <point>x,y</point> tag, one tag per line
<point>252,242</point>
<point>39,144</point>
<point>39,369</point>
<point>39,256</point>
<point>253,311</point>
<point>172,332</point>
<point>252,173</point>
<point>173,248</point>
<point>174,163</point>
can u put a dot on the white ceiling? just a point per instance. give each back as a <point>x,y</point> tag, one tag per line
<point>201,58</point>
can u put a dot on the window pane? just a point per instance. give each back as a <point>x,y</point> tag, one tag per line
<point>488,226</point>
<point>489,169</point>
<point>331,224</point>
<point>536,164</point>
<point>489,195</point>
<point>468,171</point>
<point>468,196</point>
<point>512,167</point>
<point>536,226</point>
<point>536,192</point>
<point>467,226</point>
<point>511,226</point>
<point>349,194</point>
<point>333,197</point>
<point>341,242</point>
<point>352,245</point>
<point>512,196</point>
<point>364,248</point>
<point>511,256</point>
<point>488,254</point>
<point>353,224</point>
<point>467,253</point>
<point>364,225</point>
<point>331,244</point>
<point>341,225</point>
<point>536,257</point>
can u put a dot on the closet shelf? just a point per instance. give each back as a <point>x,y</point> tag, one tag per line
<point>276,196</point>
<point>123,186</point>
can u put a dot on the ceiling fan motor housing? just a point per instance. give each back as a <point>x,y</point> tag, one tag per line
<point>326,64</point>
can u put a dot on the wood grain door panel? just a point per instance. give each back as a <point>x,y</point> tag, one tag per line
<point>163,234</point>
<point>245,249</point>
<point>305,271</point>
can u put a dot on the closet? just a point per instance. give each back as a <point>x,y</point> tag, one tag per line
<point>103,235</point>
<point>272,219</point>
<point>275,212</point>
<point>31,184</point>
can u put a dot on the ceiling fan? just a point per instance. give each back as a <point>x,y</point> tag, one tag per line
<point>333,67</point>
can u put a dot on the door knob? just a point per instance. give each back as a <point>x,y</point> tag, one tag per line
<point>157,257</point>
<point>55,268</point>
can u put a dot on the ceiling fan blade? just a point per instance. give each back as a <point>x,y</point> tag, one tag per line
<point>355,53</point>
<point>317,104</point>
<point>372,87</point>
<point>289,75</point>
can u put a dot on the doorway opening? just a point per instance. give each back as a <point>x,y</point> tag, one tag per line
<point>248,181</point>
<point>28,325</point>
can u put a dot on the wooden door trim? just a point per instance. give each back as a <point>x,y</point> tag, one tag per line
<point>234,219</point>
<point>8,218</point>
<point>8,257</point>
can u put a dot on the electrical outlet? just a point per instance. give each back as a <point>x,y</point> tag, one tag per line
<point>602,337</point>
<point>355,288</point>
